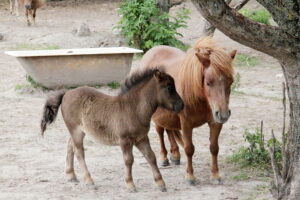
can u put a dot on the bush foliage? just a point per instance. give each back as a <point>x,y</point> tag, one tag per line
<point>144,26</point>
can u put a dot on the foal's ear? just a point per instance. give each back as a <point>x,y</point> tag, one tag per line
<point>204,59</point>
<point>158,75</point>
<point>233,53</point>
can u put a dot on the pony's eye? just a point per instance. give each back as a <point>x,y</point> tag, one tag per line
<point>171,89</point>
<point>208,83</point>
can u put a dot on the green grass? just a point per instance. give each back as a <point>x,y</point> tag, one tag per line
<point>243,60</point>
<point>113,85</point>
<point>240,177</point>
<point>24,46</point>
<point>262,15</point>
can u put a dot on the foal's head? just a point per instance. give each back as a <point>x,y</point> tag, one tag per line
<point>166,93</point>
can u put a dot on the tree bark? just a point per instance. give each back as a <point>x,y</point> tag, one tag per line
<point>283,43</point>
<point>165,5</point>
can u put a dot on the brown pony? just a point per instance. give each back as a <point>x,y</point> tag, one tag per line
<point>114,120</point>
<point>30,8</point>
<point>203,76</point>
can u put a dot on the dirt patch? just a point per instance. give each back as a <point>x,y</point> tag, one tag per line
<point>33,168</point>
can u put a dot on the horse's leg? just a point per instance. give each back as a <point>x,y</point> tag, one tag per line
<point>215,130</point>
<point>17,7</point>
<point>175,154</point>
<point>33,16</point>
<point>11,6</point>
<point>126,146</point>
<point>71,176</point>
<point>78,137</point>
<point>189,151</point>
<point>145,149</point>
<point>163,151</point>
<point>27,17</point>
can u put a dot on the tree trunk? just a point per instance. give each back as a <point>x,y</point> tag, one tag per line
<point>291,183</point>
<point>165,5</point>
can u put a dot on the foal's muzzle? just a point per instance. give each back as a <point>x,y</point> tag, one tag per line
<point>178,106</point>
<point>221,117</point>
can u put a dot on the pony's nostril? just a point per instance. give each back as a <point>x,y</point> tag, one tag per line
<point>218,114</point>
<point>229,112</point>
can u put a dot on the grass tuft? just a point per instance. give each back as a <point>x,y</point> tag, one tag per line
<point>24,46</point>
<point>243,60</point>
<point>262,15</point>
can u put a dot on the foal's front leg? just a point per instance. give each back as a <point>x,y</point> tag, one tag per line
<point>16,7</point>
<point>145,148</point>
<point>27,13</point>
<point>215,130</point>
<point>126,146</point>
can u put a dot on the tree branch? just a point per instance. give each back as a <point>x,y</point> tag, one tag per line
<point>241,4</point>
<point>285,13</point>
<point>265,38</point>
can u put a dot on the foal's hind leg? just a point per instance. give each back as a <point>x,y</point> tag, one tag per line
<point>145,148</point>
<point>175,154</point>
<point>126,146</point>
<point>16,7</point>
<point>78,137</point>
<point>163,151</point>
<point>27,13</point>
<point>215,130</point>
<point>33,16</point>
<point>71,176</point>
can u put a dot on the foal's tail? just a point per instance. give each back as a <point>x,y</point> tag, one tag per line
<point>178,137</point>
<point>51,109</point>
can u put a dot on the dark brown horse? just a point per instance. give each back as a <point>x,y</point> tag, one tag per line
<point>114,120</point>
<point>203,76</point>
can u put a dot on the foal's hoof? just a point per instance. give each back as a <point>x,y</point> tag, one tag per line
<point>164,163</point>
<point>162,188</point>
<point>175,161</point>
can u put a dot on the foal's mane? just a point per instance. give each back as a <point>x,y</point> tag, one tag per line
<point>136,78</point>
<point>191,70</point>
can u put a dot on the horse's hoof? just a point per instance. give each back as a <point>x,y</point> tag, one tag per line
<point>216,181</point>
<point>162,188</point>
<point>175,161</point>
<point>132,190</point>
<point>73,180</point>
<point>191,182</point>
<point>164,163</point>
<point>92,186</point>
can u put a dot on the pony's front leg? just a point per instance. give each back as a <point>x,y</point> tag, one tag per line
<point>175,154</point>
<point>215,130</point>
<point>145,149</point>
<point>27,17</point>
<point>33,16</point>
<point>126,146</point>
<point>189,150</point>
<point>11,6</point>
<point>163,151</point>
<point>17,7</point>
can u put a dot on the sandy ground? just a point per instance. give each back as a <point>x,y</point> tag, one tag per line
<point>32,167</point>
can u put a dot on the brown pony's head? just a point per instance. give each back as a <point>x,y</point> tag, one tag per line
<point>207,74</point>
<point>166,93</point>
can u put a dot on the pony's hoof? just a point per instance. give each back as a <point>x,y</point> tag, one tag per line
<point>162,188</point>
<point>216,181</point>
<point>132,190</point>
<point>175,161</point>
<point>164,163</point>
<point>191,182</point>
<point>73,180</point>
<point>92,186</point>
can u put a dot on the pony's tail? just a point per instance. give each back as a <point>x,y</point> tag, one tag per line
<point>51,109</point>
<point>178,137</point>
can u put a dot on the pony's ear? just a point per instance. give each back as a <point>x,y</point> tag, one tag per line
<point>233,53</point>
<point>204,59</point>
<point>158,75</point>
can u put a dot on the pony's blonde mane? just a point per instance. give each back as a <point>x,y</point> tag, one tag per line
<point>191,70</point>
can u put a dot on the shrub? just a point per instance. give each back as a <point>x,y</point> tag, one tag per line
<point>255,154</point>
<point>261,16</point>
<point>144,26</point>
